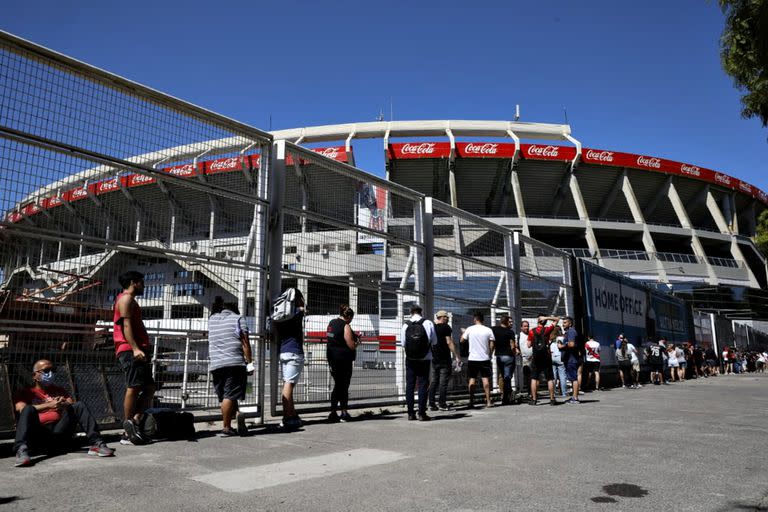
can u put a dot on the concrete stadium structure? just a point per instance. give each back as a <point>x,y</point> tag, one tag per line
<point>650,218</point>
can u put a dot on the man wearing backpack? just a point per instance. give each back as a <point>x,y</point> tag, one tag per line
<point>417,338</point>
<point>541,362</point>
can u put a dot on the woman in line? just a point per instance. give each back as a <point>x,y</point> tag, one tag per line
<point>672,362</point>
<point>681,352</point>
<point>624,359</point>
<point>341,351</point>
<point>558,367</point>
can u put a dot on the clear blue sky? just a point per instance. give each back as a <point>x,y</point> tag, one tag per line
<point>642,77</point>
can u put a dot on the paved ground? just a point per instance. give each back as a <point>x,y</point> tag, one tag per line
<point>699,445</point>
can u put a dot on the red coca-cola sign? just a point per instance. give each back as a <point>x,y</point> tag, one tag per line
<point>184,171</point>
<point>220,165</point>
<point>598,156</point>
<point>649,162</point>
<point>30,209</point>
<point>109,185</point>
<point>411,150</point>
<point>338,153</point>
<point>548,152</point>
<point>51,202</point>
<point>137,180</point>
<point>485,150</point>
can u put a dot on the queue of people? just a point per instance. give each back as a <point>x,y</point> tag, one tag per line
<point>551,351</point>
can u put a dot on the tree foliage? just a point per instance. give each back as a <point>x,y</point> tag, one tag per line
<point>761,237</point>
<point>744,53</point>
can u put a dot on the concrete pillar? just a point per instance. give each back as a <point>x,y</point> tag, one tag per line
<point>581,207</point>
<point>637,215</point>
<point>685,222</point>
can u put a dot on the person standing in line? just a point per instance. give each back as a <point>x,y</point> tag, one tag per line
<point>634,358</point>
<point>504,349</point>
<point>698,361</point>
<point>541,364</point>
<point>713,365</point>
<point>672,362</point>
<point>341,351</point>
<point>655,360</point>
<point>592,364</point>
<point>525,352</point>
<point>132,350</point>
<point>290,335</point>
<point>481,345</point>
<point>417,337</point>
<point>556,347</point>
<point>624,360</point>
<point>727,363</point>
<point>230,352</point>
<point>617,345</point>
<point>573,360</point>
<point>442,362</point>
<point>682,353</point>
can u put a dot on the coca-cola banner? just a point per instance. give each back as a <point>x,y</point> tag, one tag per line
<point>78,193</point>
<point>108,185</point>
<point>137,180</point>
<point>547,152</point>
<point>485,150</point>
<point>338,153</point>
<point>183,171</point>
<point>420,150</point>
<point>233,163</point>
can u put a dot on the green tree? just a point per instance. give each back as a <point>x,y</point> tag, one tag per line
<point>761,237</point>
<point>744,53</point>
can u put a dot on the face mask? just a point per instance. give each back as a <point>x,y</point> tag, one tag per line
<point>47,377</point>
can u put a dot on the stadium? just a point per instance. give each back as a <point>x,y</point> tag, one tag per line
<point>676,224</point>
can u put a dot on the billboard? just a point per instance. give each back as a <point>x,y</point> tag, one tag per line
<point>669,317</point>
<point>371,212</point>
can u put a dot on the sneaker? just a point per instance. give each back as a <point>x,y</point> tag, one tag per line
<point>433,408</point>
<point>132,431</point>
<point>443,408</point>
<point>242,428</point>
<point>424,417</point>
<point>22,457</point>
<point>638,386</point>
<point>411,417</point>
<point>228,432</point>
<point>125,440</point>
<point>345,417</point>
<point>572,401</point>
<point>533,402</point>
<point>101,450</point>
<point>553,402</point>
<point>333,417</point>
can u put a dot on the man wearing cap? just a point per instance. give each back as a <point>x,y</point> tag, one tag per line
<point>442,362</point>
<point>417,368</point>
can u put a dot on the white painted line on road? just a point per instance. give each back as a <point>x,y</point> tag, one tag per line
<point>259,477</point>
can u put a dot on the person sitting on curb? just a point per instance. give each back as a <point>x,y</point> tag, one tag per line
<point>48,418</point>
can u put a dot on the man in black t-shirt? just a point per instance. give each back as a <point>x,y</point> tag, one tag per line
<point>505,356</point>
<point>656,361</point>
<point>442,362</point>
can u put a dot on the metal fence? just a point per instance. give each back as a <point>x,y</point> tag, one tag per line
<point>99,175</point>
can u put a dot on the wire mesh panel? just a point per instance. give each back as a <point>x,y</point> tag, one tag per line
<point>99,175</point>
<point>353,239</point>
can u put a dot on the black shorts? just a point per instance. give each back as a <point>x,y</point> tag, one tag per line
<point>138,374</point>
<point>542,370</point>
<point>591,366</point>
<point>656,367</point>
<point>230,382</point>
<point>483,368</point>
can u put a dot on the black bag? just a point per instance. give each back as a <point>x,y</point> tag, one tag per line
<point>417,342</point>
<point>540,341</point>
<point>169,424</point>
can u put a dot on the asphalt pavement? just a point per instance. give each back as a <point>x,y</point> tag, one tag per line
<point>698,445</point>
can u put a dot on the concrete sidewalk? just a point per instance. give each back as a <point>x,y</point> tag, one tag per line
<point>698,445</point>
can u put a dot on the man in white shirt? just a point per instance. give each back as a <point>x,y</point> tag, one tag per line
<point>480,339</point>
<point>526,354</point>
<point>635,365</point>
<point>417,338</point>
<point>592,366</point>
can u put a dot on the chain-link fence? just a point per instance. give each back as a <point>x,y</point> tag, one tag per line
<point>99,175</point>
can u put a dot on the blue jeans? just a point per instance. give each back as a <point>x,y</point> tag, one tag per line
<point>505,365</point>
<point>416,370</point>
<point>559,370</point>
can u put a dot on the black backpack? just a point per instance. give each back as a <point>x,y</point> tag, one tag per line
<point>417,343</point>
<point>540,341</point>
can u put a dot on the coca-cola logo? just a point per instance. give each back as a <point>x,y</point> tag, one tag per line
<point>225,164</point>
<point>425,148</point>
<point>481,149</point>
<point>137,179</point>
<point>650,162</point>
<point>690,169</point>
<point>722,178</point>
<point>600,156</point>
<point>54,201</point>
<point>745,187</point>
<point>106,186</point>
<point>545,151</point>
<point>332,153</point>
<point>79,192</point>
<point>14,217</point>
<point>182,170</point>
<point>31,209</point>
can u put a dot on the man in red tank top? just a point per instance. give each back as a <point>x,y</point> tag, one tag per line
<point>133,353</point>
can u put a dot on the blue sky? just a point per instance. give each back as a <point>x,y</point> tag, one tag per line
<point>642,77</point>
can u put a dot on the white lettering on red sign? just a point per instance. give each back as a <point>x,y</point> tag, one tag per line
<point>106,186</point>
<point>182,170</point>
<point>225,164</point>
<point>54,201</point>
<point>745,187</point>
<point>548,151</point>
<point>332,153</point>
<point>722,178</point>
<point>650,162</point>
<point>600,156</point>
<point>690,169</point>
<point>481,149</point>
<point>138,179</point>
<point>425,148</point>
<point>79,192</point>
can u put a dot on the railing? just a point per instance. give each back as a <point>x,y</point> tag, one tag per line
<point>673,257</point>
<point>622,254</point>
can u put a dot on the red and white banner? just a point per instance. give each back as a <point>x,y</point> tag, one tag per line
<point>547,152</point>
<point>138,180</point>
<point>231,164</point>
<point>184,171</point>
<point>411,150</point>
<point>485,150</point>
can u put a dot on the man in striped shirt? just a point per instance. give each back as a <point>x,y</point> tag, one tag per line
<point>230,352</point>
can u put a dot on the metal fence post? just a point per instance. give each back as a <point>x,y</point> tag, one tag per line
<point>568,284</point>
<point>428,259</point>
<point>277,170</point>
